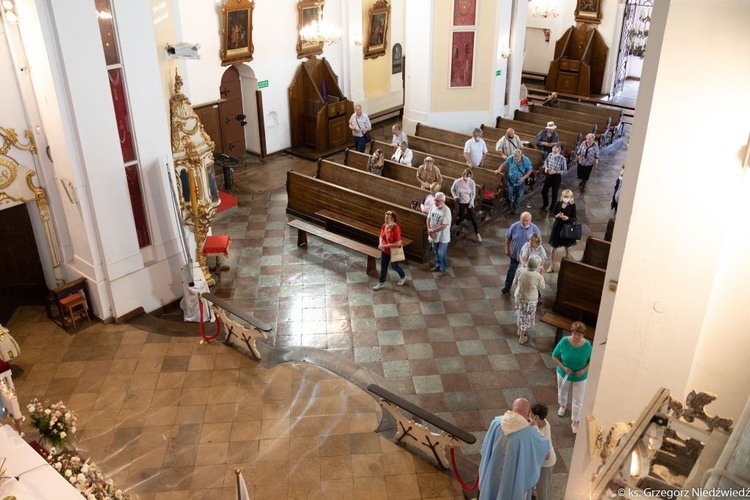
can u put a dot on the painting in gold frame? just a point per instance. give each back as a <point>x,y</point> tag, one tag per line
<point>589,11</point>
<point>376,42</point>
<point>237,31</point>
<point>307,13</point>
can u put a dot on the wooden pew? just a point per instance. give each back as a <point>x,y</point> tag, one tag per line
<point>611,115</point>
<point>542,119</point>
<point>494,192</point>
<point>579,293</point>
<point>395,192</point>
<point>596,252</point>
<point>392,170</point>
<point>528,132</point>
<point>308,195</point>
<point>610,229</point>
<point>454,152</point>
<point>438,134</point>
<point>599,123</point>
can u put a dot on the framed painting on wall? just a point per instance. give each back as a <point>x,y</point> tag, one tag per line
<point>377,30</point>
<point>462,59</point>
<point>464,12</point>
<point>237,32</point>
<point>308,12</point>
<point>589,11</point>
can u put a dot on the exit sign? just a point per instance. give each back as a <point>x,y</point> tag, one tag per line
<point>263,84</point>
<point>498,72</point>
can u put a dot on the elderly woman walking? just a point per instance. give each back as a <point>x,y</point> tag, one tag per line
<point>572,356</point>
<point>465,190</point>
<point>587,156</point>
<point>390,237</point>
<point>530,284</point>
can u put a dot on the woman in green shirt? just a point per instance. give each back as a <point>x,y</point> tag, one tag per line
<point>572,356</point>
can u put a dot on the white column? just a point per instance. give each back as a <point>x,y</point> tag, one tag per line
<point>679,316</point>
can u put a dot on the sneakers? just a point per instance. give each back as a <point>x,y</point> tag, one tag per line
<point>574,427</point>
<point>434,269</point>
<point>379,286</point>
<point>401,281</point>
<point>479,238</point>
<point>561,411</point>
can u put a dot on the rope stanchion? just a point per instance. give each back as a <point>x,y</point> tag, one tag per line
<point>458,474</point>
<point>218,323</point>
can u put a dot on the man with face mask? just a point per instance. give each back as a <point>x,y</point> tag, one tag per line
<point>475,149</point>
<point>515,238</point>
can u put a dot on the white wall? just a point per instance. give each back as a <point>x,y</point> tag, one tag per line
<point>678,318</point>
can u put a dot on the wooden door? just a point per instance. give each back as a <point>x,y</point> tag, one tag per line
<point>21,275</point>
<point>231,114</point>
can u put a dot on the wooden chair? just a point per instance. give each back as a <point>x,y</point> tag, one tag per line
<point>73,306</point>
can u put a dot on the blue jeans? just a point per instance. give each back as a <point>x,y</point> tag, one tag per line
<point>511,273</point>
<point>360,143</point>
<point>385,259</point>
<point>441,255</point>
<point>515,195</point>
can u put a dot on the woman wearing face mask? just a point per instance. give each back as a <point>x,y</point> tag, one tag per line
<point>565,213</point>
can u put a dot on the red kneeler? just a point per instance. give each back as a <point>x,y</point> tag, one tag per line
<point>216,246</point>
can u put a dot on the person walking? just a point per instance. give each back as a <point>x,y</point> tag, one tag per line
<point>465,191</point>
<point>572,356</point>
<point>565,213</point>
<point>439,232</point>
<point>529,285</point>
<point>390,237</point>
<point>515,238</point>
<point>587,156</point>
<point>554,166</point>
<point>519,169</point>
<point>360,125</point>
<point>539,414</point>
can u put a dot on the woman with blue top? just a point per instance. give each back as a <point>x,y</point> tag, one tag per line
<point>572,356</point>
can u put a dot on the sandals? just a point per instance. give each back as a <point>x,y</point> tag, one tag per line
<point>523,339</point>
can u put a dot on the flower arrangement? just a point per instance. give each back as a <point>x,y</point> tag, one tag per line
<point>85,477</point>
<point>55,422</point>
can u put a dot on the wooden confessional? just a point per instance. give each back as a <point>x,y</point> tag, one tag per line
<point>319,111</point>
<point>578,66</point>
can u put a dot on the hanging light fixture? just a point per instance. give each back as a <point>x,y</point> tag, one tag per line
<point>544,8</point>
<point>320,32</point>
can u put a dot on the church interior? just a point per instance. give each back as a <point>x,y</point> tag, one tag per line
<point>183,218</point>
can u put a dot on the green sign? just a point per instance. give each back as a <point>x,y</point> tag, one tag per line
<point>263,84</point>
<point>498,72</point>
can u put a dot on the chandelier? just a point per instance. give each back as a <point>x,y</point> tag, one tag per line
<point>544,8</point>
<point>320,32</point>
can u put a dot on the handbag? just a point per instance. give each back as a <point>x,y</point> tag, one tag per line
<point>397,254</point>
<point>368,137</point>
<point>8,346</point>
<point>572,231</point>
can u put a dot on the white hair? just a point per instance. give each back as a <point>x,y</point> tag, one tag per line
<point>534,262</point>
<point>440,196</point>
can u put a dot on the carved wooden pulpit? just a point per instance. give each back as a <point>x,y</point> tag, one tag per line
<point>578,66</point>
<point>319,111</point>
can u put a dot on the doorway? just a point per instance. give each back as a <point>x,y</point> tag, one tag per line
<point>633,38</point>
<point>21,270</point>
<point>232,118</point>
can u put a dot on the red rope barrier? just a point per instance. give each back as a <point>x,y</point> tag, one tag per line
<point>218,322</point>
<point>458,475</point>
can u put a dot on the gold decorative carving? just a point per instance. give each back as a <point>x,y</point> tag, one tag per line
<point>10,138</point>
<point>192,150</point>
<point>41,202</point>
<point>694,409</point>
<point>8,172</point>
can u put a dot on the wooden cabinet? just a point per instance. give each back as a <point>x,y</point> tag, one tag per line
<point>578,66</point>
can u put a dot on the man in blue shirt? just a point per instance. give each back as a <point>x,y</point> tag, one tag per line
<point>519,169</point>
<point>515,238</point>
<point>512,454</point>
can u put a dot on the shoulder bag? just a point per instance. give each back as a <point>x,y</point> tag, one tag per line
<point>572,231</point>
<point>397,254</point>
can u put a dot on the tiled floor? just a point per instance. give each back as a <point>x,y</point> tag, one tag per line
<point>169,418</point>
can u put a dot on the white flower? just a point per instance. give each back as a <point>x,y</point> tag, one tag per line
<point>68,473</point>
<point>47,411</point>
<point>63,434</point>
<point>31,408</point>
<point>85,469</point>
<point>81,478</point>
<point>72,480</point>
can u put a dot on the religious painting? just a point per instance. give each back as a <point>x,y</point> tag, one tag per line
<point>462,59</point>
<point>309,12</point>
<point>464,12</point>
<point>589,11</point>
<point>377,31</point>
<point>237,32</point>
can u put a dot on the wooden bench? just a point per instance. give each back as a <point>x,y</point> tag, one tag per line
<point>562,324</point>
<point>610,229</point>
<point>237,333</point>
<point>596,252</point>
<point>541,120</point>
<point>535,156</point>
<point>579,293</point>
<point>598,122</point>
<point>606,114</point>
<point>305,228</point>
<point>453,151</point>
<point>308,195</point>
<point>529,131</point>
<point>411,431</point>
<point>395,192</point>
<point>334,218</point>
<point>384,114</point>
<point>493,184</point>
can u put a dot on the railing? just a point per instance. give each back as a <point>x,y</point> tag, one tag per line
<point>238,334</point>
